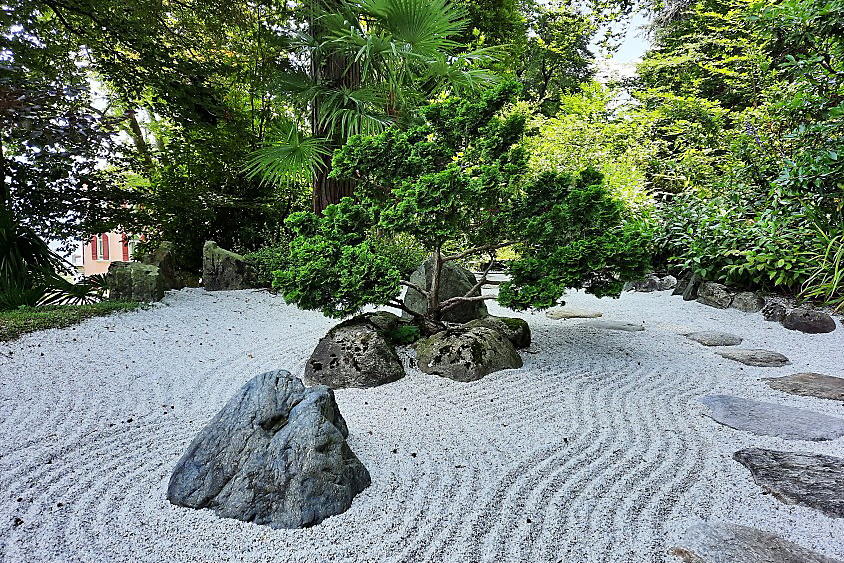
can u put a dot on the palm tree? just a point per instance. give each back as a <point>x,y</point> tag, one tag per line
<point>370,64</point>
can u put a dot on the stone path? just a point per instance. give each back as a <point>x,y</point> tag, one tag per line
<point>812,480</point>
<point>806,479</point>
<point>756,357</point>
<point>810,385</point>
<point>771,419</point>
<point>715,542</point>
<point>715,338</point>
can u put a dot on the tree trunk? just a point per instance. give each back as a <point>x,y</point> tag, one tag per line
<point>335,70</point>
<point>434,292</point>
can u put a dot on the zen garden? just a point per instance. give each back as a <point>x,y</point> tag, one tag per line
<point>462,281</point>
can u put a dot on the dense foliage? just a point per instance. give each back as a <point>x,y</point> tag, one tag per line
<point>459,177</point>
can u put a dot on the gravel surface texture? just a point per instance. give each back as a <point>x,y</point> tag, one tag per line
<point>596,450</point>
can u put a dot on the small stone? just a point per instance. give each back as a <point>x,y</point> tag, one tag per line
<point>648,284</point>
<point>812,480</point>
<point>748,302</point>
<point>810,385</point>
<point>616,325</point>
<point>691,291</point>
<point>809,321</point>
<point>774,312</point>
<point>716,542</point>
<point>756,357</point>
<point>715,295</point>
<point>714,338</point>
<point>557,313</point>
<point>770,419</point>
<point>682,283</point>
<point>667,282</point>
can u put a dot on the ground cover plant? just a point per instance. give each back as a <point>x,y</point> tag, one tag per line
<point>459,177</point>
<point>15,322</point>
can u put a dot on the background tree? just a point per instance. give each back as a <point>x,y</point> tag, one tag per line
<point>458,177</point>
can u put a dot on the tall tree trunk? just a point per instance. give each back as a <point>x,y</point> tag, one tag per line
<point>336,70</point>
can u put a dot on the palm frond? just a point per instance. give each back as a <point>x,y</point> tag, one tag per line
<point>292,158</point>
<point>424,25</point>
<point>353,111</point>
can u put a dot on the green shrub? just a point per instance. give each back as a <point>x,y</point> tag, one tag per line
<point>268,260</point>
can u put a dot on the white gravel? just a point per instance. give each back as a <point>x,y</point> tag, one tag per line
<point>597,450</point>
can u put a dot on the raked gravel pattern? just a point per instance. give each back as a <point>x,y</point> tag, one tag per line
<point>597,450</point>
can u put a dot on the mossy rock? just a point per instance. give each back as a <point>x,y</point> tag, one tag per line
<point>466,353</point>
<point>225,270</point>
<point>356,353</point>
<point>517,331</point>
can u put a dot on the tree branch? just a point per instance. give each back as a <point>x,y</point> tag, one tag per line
<point>414,286</point>
<point>449,304</point>
<point>401,306</point>
<point>478,249</point>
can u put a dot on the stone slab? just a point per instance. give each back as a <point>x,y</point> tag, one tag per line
<point>557,313</point>
<point>809,385</point>
<point>771,419</point>
<point>812,480</point>
<point>716,542</point>
<point>756,357</point>
<point>715,338</point>
<point>616,325</point>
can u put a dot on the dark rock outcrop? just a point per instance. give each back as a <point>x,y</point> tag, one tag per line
<point>276,454</point>
<point>748,302</point>
<point>356,353</point>
<point>454,282</point>
<point>715,295</point>
<point>224,270</point>
<point>133,281</point>
<point>774,312</point>
<point>165,259</point>
<point>808,321</point>
<point>466,354</point>
<point>647,284</point>
<point>690,292</point>
<point>812,480</point>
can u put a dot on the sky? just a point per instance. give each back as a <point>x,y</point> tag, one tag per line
<point>623,61</point>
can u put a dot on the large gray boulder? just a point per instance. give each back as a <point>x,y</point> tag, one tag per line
<point>276,455</point>
<point>466,354</point>
<point>808,321</point>
<point>648,284</point>
<point>715,295</point>
<point>812,480</point>
<point>133,281</point>
<point>356,353</point>
<point>517,331</point>
<point>717,542</point>
<point>454,282</point>
<point>225,270</point>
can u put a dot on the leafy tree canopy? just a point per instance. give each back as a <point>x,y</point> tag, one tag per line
<point>459,177</point>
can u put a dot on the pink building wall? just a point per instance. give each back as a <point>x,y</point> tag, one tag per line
<point>103,249</point>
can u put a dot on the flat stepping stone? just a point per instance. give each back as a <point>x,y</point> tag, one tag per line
<point>715,542</point>
<point>557,313</point>
<point>616,325</point>
<point>771,419</point>
<point>812,480</point>
<point>756,357</point>
<point>810,385</point>
<point>715,338</point>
